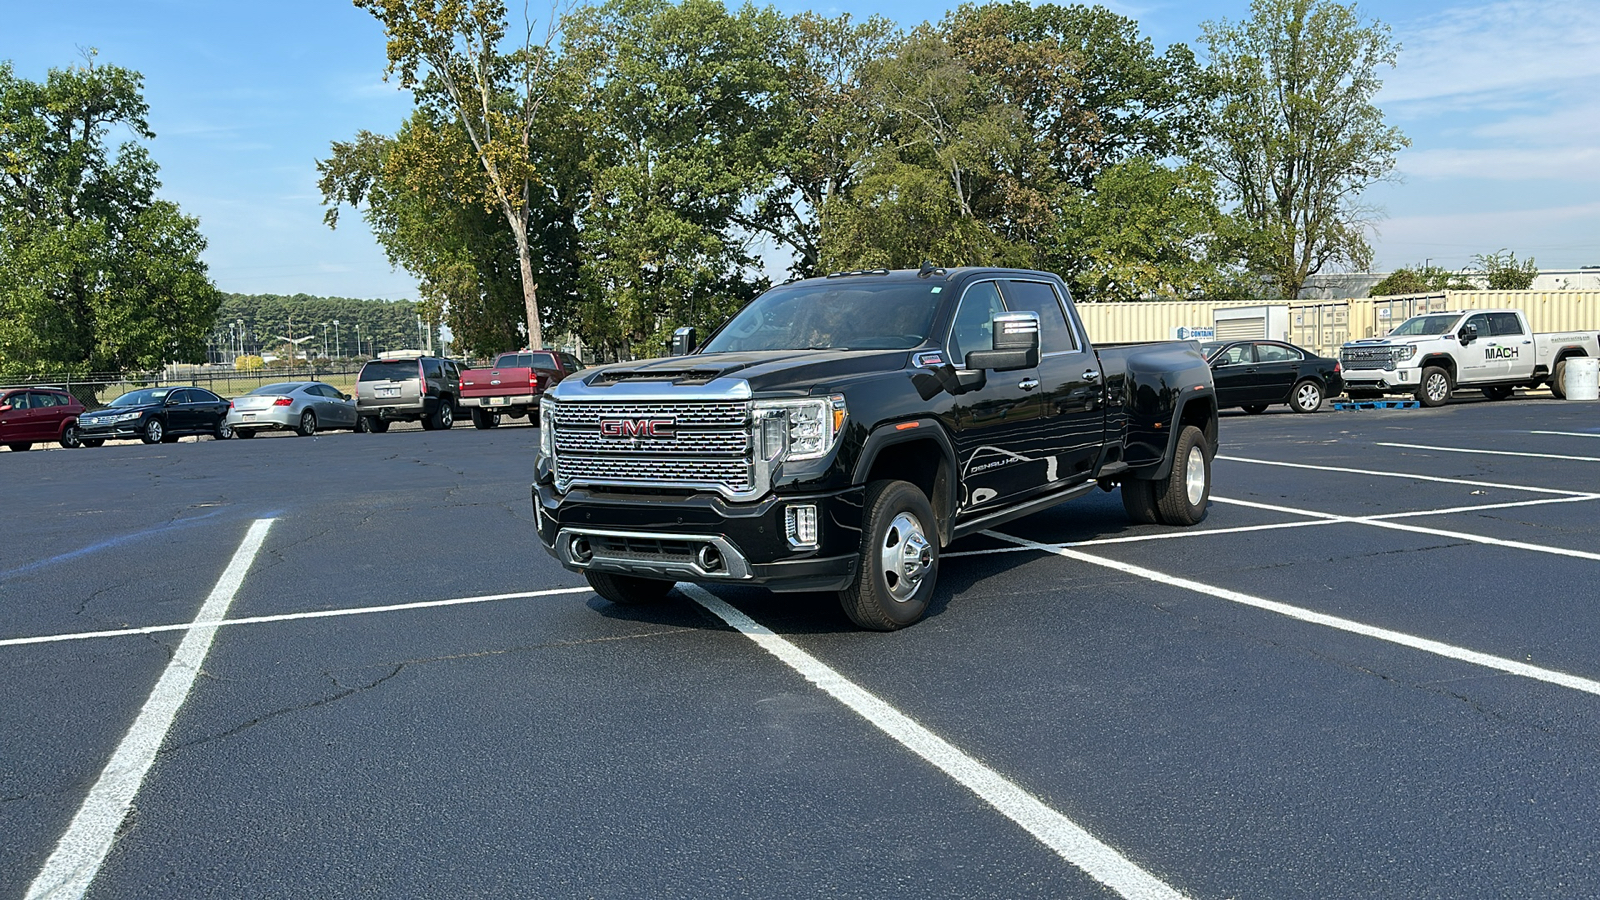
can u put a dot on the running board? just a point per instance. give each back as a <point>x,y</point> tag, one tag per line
<point>992,520</point>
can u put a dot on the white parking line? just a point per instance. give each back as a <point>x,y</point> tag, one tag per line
<point>78,855</point>
<point>1068,839</point>
<point>1589,434</point>
<point>1140,538</point>
<point>1406,475</point>
<point>1377,522</point>
<point>1487,452</point>
<point>1438,648</point>
<point>286,617</point>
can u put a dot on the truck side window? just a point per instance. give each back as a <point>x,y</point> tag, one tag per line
<point>1039,297</point>
<point>1505,324</point>
<point>971,329</point>
<point>1480,320</point>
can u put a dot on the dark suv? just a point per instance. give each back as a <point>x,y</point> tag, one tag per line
<point>409,387</point>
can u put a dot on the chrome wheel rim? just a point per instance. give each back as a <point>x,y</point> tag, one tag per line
<point>1438,385</point>
<point>446,417</point>
<point>1194,476</point>
<point>308,424</point>
<point>1310,397</point>
<point>905,557</point>
<point>154,430</point>
<point>225,431</point>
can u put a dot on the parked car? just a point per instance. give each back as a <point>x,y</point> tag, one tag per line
<point>513,384</point>
<point>407,386</point>
<point>1492,350</point>
<point>1259,374</point>
<point>36,415</point>
<point>303,407</point>
<point>158,415</point>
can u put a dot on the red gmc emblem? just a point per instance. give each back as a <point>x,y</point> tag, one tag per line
<point>638,428</point>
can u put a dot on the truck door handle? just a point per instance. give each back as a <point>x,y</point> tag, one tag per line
<point>1091,375</point>
<point>1028,384</point>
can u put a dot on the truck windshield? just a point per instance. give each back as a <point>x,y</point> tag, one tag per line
<point>833,315</point>
<point>1417,325</point>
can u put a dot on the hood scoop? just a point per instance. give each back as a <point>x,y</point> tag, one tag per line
<point>687,377</point>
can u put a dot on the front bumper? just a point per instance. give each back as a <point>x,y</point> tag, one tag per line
<point>701,538</point>
<point>115,431</point>
<point>1406,380</point>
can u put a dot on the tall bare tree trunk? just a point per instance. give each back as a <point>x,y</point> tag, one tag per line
<point>530,288</point>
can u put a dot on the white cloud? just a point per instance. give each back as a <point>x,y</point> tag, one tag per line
<point>1564,163</point>
<point>1511,51</point>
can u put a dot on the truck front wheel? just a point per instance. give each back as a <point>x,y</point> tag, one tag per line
<point>628,590</point>
<point>1435,387</point>
<point>899,559</point>
<point>1187,488</point>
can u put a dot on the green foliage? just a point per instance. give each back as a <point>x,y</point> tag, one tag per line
<point>262,320</point>
<point>1294,136</point>
<point>684,112</point>
<point>96,273</point>
<point>1502,272</point>
<point>1421,279</point>
<point>249,363</point>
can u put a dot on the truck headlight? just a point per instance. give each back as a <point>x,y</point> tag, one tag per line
<point>814,423</point>
<point>547,431</point>
<point>1401,354</point>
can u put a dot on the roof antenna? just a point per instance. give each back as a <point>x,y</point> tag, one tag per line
<point>929,268</point>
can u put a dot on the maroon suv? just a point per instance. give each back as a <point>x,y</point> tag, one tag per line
<point>35,415</point>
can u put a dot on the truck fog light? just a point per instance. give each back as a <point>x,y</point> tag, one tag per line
<point>800,521</point>
<point>581,551</point>
<point>709,559</point>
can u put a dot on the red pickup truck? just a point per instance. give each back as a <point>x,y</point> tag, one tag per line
<point>513,384</point>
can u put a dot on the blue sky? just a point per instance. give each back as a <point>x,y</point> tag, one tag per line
<point>1500,99</point>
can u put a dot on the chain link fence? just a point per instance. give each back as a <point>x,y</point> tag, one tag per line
<point>96,390</point>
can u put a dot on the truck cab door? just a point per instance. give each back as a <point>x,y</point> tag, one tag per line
<point>1073,417</point>
<point>1479,358</point>
<point>1513,345</point>
<point>996,426</point>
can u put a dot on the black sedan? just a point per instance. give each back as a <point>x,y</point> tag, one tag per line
<point>158,415</point>
<point>1257,374</point>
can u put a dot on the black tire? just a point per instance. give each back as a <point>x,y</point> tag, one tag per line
<point>1435,388</point>
<point>1306,397</point>
<point>71,437</point>
<point>898,565</point>
<point>153,432</point>
<point>308,424</point>
<point>482,418</point>
<point>244,433</point>
<point>1182,498</point>
<point>377,425</point>
<point>1255,409</point>
<point>21,446</point>
<point>94,442</point>
<point>224,431</point>
<point>1139,500</point>
<point>1497,393</point>
<point>363,424</point>
<point>1558,381</point>
<point>628,590</point>
<point>444,416</point>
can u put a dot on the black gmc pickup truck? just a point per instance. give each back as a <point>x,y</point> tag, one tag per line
<point>838,432</point>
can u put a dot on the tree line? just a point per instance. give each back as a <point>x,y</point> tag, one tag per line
<point>640,164</point>
<point>321,327</point>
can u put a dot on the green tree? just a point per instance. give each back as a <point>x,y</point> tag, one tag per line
<point>450,54</point>
<point>1501,271</point>
<point>96,273</point>
<point>1420,279</point>
<point>1294,135</point>
<point>684,111</point>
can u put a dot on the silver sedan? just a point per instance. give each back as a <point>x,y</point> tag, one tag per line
<point>299,406</point>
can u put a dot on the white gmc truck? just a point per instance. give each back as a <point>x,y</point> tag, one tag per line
<point>1491,350</point>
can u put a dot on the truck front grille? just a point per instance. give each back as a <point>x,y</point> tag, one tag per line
<point>1366,358</point>
<point>704,445</point>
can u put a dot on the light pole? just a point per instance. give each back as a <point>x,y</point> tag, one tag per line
<point>358,339</point>
<point>336,348</point>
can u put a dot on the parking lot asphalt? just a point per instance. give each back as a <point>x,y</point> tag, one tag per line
<point>1372,671</point>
